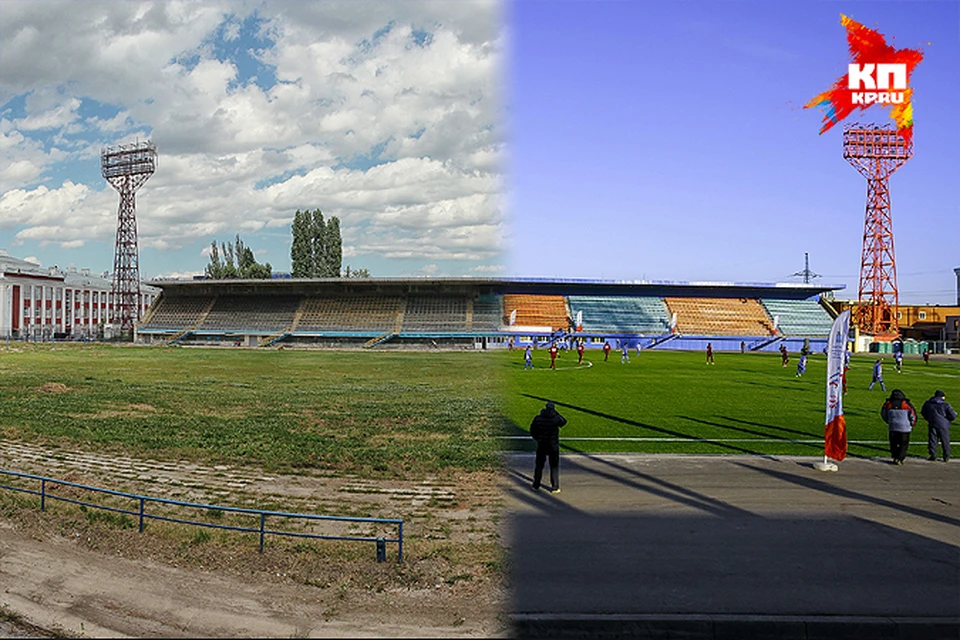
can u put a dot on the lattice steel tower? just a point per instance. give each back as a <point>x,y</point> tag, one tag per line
<point>876,152</point>
<point>126,168</point>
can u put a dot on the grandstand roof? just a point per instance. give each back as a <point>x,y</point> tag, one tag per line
<point>558,286</point>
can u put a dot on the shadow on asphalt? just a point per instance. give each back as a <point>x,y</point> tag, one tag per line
<point>577,573</point>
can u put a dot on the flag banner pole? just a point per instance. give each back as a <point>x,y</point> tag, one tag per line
<point>835,428</point>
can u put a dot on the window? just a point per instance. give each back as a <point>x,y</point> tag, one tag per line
<point>899,316</point>
<point>922,315</point>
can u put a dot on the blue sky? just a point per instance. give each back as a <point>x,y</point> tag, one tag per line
<point>666,141</point>
<point>384,114</point>
<point>577,138</point>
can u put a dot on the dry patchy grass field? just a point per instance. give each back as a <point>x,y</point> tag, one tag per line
<point>381,435</point>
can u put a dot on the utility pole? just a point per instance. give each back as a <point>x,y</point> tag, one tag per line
<point>806,273</point>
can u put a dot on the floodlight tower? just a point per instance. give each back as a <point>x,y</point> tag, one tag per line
<point>876,152</point>
<point>126,168</point>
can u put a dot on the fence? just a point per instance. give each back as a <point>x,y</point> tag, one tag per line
<point>141,514</point>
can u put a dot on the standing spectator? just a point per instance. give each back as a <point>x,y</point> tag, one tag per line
<point>938,415</point>
<point>606,350</point>
<point>624,354</point>
<point>802,365</point>
<point>709,353</point>
<point>898,358</point>
<point>545,429</point>
<point>900,417</point>
<point>743,347</point>
<point>528,358</point>
<point>553,356</point>
<point>580,349</point>
<point>784,356</point>
<point>877,375</point>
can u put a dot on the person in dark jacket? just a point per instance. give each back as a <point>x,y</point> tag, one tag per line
<point>900,416</point>
<point>545,429</point>
<point>938,415</point>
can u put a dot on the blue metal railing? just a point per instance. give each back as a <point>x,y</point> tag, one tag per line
<point>142,514</point>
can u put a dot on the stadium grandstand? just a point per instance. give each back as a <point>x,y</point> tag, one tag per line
<point>487,313</point>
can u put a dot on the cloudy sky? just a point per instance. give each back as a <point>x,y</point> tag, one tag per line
<point>667,141</point>
<point>384,114</point>
<point>577,139</point>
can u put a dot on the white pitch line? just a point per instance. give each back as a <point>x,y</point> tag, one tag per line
<point>586,365</point>
<point>698,440</point>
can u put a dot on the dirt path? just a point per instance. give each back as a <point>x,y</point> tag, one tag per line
<point>57,576</point>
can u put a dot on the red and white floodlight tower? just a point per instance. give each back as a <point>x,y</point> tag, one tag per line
<point>126,168</point>
<point>876,152</point>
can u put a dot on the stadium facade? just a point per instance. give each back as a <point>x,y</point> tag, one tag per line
<point>485,313</point>
<point>39,303</point>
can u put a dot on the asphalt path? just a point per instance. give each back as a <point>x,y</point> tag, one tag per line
<point>734,547</point>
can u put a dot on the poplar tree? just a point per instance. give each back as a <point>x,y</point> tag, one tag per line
<point>334,248</point>
<point>301,253</point>
<point>317,247</point>
<point>318,244</point>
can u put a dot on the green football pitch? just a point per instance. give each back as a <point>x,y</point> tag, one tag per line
<point>673,402</point>
<point>367,412</point>
<point>409,412</point>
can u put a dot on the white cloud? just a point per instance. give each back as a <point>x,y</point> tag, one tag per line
<point>19,171</point>
<point>66,217</point>
<point>489,268</point>
<point>54,117</point>
<point>428,270</point>
<point>344,93</point>
<point>23,159</point>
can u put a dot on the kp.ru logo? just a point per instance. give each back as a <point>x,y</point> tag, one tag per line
<point>879,76</point>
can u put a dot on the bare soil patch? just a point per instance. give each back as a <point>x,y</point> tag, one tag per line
<point>53,387</point>
<point>74,571</point>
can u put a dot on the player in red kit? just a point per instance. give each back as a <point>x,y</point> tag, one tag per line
<point>580,353</point>
<point>606,351</point>
<point>553,356</point>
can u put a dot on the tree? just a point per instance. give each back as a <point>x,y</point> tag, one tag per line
<point>318,244</point>
<point>317,247</point>
<point>301,254</point>
<point>333,244</point>
<point>238,262</point>
<point>214,270</point>
<point>356,273</point>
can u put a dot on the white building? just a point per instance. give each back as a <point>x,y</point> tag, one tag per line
<point>41,303</point>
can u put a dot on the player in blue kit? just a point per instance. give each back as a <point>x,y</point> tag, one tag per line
<point>877,375</point>
<point>802,365</point>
